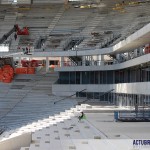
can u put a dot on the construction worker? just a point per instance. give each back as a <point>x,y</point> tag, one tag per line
<point>82,116</point>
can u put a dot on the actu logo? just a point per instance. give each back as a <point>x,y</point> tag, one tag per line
<point>141,142</point>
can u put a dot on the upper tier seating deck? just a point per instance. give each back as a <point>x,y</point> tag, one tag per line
<point>95,25</point>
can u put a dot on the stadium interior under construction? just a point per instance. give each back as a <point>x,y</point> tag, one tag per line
<point>63,58</point>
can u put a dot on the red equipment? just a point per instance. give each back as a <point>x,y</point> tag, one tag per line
<point>25,70</point>
<point>32,63</point>
<point>147,49</point>
<point>24,31</point>
<point>6,74</point>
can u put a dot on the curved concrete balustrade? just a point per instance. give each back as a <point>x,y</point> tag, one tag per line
<point>130,88</point>
<point>137,39</point>
<point>60,53</point>
<point>130,63</point>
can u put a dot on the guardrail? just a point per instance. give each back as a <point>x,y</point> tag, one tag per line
<point>107,92</point>
<point>68,97</point>
<point>95,62</point>
<point>141,115</point>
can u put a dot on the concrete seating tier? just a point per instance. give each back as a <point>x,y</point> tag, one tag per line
<point>63,131</point>
<point>51,125</point>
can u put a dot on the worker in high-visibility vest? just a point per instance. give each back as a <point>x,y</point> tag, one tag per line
<point>82,116</point>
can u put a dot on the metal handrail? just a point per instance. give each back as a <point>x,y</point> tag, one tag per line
<point>2,129</point>
<point>68,97</point>
<point>106,92</point>
<point>100,95</point>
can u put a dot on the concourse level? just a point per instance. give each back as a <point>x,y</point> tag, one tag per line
<point>96,67</point>
<point>135,40</point>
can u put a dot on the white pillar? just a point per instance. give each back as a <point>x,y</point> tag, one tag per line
<point>101,59</point>
<point>83,60</point>
<point>19,62</point>
<point>61,61</point>
<point>47,64</point>
<point>135,53</point>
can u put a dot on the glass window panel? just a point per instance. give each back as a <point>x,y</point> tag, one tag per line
<point>72,77</point>
<point>78,77</point>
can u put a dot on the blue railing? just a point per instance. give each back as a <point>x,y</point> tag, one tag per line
<point>141,115</point>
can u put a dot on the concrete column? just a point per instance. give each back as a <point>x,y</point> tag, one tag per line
<point>92,60</point>
<point>97,60</point>
<point>141,50</point>
<point>19,62</point>
<point>47,64</point>
<point>101,60</point>
<point>135,53</point>
<point>83,60</point>
<point>127,56</point>
<point>61,61</point>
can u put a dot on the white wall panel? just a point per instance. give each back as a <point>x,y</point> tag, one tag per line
<point>130,88</point>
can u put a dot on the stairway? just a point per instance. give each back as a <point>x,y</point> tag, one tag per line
<point>53,24</point>
<point>63,132</point>
<point>27,105</point>
<point>89,28</point>
<point>77,60</point>
<point>26,94</point>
